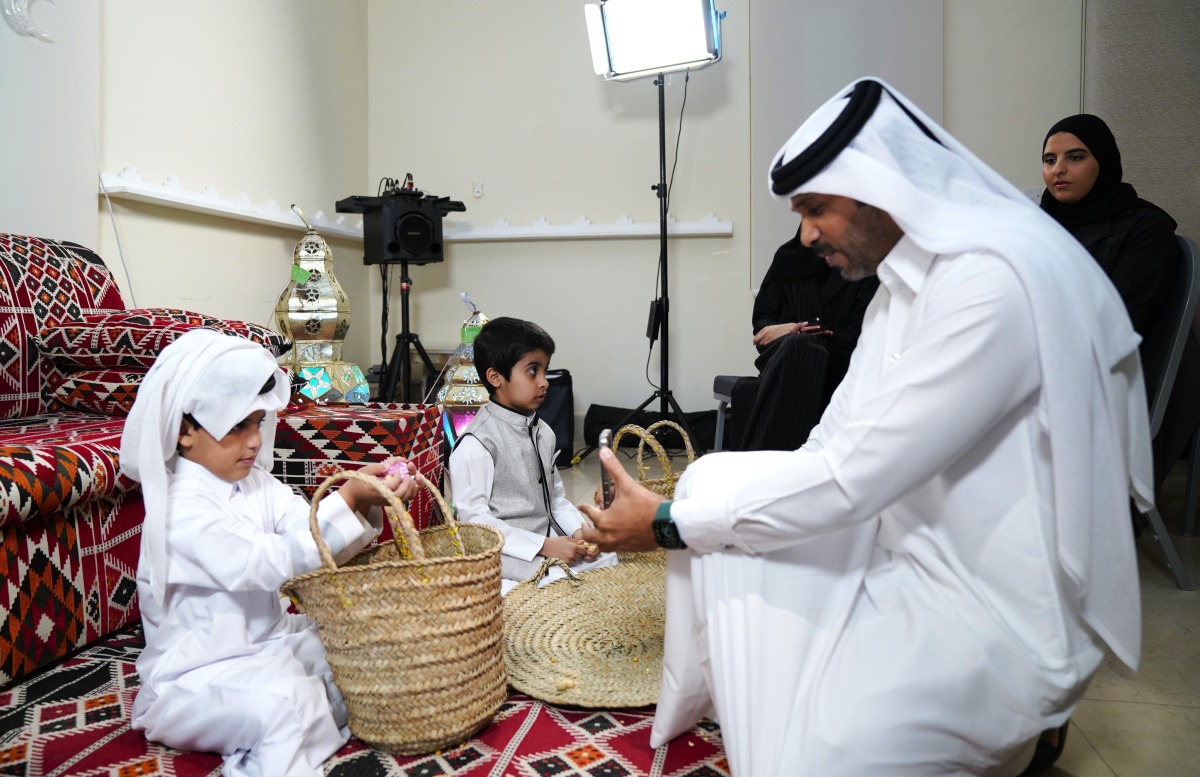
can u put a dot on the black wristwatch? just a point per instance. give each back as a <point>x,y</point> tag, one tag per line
<point>666,533</point>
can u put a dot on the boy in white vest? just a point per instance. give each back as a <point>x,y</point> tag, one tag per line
<point>502,468</point>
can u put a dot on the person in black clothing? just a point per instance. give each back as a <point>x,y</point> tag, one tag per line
<point>806,323</point>
<point>1134,242</point>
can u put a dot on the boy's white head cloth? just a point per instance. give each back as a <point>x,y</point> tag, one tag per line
<point>872,144</point>
<point>214,377</point>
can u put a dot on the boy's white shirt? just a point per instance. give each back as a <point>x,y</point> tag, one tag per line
<point>221,616</point>
<point>273,544</point>
<point>472,474</point>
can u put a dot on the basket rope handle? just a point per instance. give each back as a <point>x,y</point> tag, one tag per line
<point>687,441</point>
<point>404,532</point>
<point>452,523</point>
<point>549,564</point>
<point>646,437</point>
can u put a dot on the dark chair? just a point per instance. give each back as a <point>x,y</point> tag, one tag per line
<point>1191,496</point>
<point>1160,362</point>
<point>723,393</point>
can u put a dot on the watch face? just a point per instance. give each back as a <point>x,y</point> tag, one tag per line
<point>666,534</point>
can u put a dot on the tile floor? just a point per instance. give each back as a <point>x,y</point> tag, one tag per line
<point>1143,724</point>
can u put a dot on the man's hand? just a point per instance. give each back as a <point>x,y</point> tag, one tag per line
<point>626,525</point>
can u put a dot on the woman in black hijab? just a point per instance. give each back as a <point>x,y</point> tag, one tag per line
<point>1132,239</point>
<point>1134,242</point>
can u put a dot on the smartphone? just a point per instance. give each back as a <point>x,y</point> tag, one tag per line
<point>606,481</point>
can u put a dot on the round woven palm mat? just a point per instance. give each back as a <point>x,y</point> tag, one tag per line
<point>595,640</point>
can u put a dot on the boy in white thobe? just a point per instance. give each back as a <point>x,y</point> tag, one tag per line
<point>226,668</point>
<point>928,583</point>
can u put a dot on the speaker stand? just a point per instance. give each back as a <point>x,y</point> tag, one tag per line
<point>401,365</point>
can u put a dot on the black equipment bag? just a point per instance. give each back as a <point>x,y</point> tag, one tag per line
<point>558,410</point>
<point>703,423</point>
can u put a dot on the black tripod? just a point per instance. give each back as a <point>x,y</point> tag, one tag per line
<point>401,366</point>
<point>660,308</point>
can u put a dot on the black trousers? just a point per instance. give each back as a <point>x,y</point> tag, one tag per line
<point>778,409</point>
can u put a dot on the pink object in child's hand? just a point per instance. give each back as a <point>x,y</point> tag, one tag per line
<point>400,467</point>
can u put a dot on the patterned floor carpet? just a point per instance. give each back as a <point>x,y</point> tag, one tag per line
<point>73,720</point>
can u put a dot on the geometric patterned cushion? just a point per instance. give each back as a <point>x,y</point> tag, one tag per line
<point>107,392</point>
<point>314,441</point>
<point>57,461</point>
<point>42,282</point>
<point>125,339</point>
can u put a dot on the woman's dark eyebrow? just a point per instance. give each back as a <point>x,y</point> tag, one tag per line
<point>1081,149</point>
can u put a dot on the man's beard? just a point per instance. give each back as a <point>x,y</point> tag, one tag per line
<point>869,237</point>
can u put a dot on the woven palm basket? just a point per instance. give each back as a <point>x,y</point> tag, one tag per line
<point>592,639</point>
<point>665,485</point>
<point>412,629</point>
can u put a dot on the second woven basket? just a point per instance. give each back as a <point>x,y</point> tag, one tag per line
<point>590,640</point>
<point>664,485</point>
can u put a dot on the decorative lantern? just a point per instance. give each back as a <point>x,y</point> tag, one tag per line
<point>314,312</point>
<point>463,393</point>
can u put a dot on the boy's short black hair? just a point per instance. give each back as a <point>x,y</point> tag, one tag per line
<point>505,341</point>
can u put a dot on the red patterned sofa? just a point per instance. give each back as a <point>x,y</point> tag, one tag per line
<point>69,521</point>
<point>71,356</point>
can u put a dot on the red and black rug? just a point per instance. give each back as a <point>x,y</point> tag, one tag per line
<point>72,720</point>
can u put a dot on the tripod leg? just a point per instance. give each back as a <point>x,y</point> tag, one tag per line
<point>683,421</point>
<point>429,370</point>
<point>398,369</point>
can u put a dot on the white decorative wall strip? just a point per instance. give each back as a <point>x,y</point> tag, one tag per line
<point>128,184</point>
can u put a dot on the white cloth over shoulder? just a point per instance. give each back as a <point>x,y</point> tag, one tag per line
<point>947,201</point>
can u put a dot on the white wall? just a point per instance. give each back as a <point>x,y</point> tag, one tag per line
<point>266,98</point>
<point>48,145</point>
<point>307,101</point>
<point>507,96</point>
<point>1012,70</point>
<point>509,99</point>
<point>1142,62</point>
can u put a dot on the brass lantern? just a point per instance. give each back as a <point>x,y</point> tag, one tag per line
<point>314,312</point>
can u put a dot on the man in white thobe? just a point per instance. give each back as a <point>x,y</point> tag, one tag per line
<point>930,580</point>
